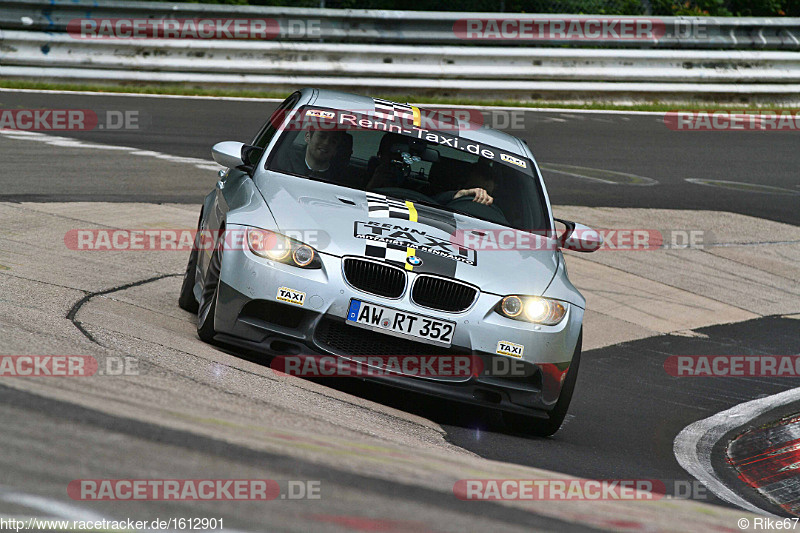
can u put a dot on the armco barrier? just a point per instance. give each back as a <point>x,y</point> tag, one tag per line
<point>407,27</point>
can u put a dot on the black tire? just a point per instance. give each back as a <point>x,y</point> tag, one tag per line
<point>544,428</point>
<point>207,308</point>
<point>186,300</point>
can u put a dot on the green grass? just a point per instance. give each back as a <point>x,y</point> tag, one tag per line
<point>188,90</point>
<point>140,89</point>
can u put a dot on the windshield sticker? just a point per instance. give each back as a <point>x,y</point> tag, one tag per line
<point>514,160</point>
<point>353,120</point>
<point>405,120</point>
<point>321,114</point>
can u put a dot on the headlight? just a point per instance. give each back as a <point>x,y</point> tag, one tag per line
<point>511,306</point>
<point>303,255</point>
<point>532,309</point>
<point>271,245</point>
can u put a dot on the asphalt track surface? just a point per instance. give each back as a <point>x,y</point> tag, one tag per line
<point>641,145</point>
<point>628,407</point>
<point>126,449</point>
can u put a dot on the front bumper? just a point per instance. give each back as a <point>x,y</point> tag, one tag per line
<point>249,314</point>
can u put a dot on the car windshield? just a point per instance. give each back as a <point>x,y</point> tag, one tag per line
<point>425,166</point>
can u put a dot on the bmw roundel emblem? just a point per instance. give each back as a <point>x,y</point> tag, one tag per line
<point>414,261</point>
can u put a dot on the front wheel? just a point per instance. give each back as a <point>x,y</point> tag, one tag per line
<point>207,309</point>
<point>186,300</point>
<point>545,427</point>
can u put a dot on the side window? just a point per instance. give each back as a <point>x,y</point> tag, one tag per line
<point>271,127</point>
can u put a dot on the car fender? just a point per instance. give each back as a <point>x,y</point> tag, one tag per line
<point>561,288</point>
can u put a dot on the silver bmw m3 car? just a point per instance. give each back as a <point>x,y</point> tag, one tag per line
<point>414,245</point>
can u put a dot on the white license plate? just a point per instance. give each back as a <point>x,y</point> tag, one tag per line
<point>400,323</point>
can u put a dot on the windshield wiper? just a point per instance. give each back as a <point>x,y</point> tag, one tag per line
<point>442,207</point>
<point>431,203</point>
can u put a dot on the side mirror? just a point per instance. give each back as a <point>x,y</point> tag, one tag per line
<point>237,155</point>
<point>579,238</point>
<point>228,154</point>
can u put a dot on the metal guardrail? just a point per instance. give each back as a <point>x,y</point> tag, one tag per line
<point>409,27</point>
<point>358,61</point>
<point>408,52</point>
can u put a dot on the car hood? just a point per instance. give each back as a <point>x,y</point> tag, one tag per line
<point>342,221</point>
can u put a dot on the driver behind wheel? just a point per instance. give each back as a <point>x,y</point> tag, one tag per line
<point>317,157</point>
<point>479,184</point>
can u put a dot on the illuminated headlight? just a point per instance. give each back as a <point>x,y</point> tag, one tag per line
<point>532,309</point>
<point>277,247</point>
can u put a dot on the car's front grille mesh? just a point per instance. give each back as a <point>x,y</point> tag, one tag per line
<point>375,278</point>
<point>442,294</point>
